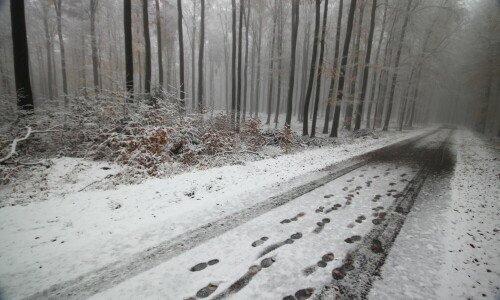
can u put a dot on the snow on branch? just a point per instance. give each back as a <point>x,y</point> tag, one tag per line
<point>13,146</point>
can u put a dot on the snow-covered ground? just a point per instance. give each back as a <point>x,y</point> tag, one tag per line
<point>60,227</point>
<point>449,245</point>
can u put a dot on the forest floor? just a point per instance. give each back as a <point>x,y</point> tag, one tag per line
<point>68,232</point>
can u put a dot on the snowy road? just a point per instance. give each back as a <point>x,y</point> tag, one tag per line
<point>305,242</point>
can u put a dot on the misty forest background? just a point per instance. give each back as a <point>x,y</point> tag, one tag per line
<point>145,82</point>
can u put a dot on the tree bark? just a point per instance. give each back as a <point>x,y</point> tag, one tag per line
<point>259,77</point>
<point>129,59</point>
<point>147,46</point>
<point>240,40</point>
<point>58,8</point>
<point>271,68</point>
<point>48,52</point>
<point>374,76</point>
<point>320,67</point>
<point>295,27</point>
<point>93,42</point>
<point>245,68</point>
<point>182,86</point>
<point>200,57</point>
<point>331,90</point>
<point>305,124</point>
<point>395,75</point>
<point>345,52</point>
<point>159,46</point>
<point>21,56</point>
<point>359,111</point>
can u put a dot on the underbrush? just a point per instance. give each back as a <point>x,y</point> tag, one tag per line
<point>148,136</point>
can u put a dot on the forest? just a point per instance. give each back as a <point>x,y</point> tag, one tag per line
<point>121,102</point>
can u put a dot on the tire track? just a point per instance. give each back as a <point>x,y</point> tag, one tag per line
<point>112,274</point>
<point>362,265</point>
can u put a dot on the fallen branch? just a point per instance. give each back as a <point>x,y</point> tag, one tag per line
<point>14,145</point>
<point>16,141</point>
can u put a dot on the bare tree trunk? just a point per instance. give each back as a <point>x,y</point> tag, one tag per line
<point>58,7</point>
<point>295,27</point>
<point>345,52</point>
<point>21,59</point>
<point>305,53</point>
<point>359,111</point>
<point>280,62</point>
<point>159,46</point>
<point>193,59</point>
<point>93,42</point>
<point>395,75</point>
<point>129,59</point>
<point>331,90</point>
<point>200,58</point>
<point>182,94</point>
<point>320,67</point>
<point>384,78</point>
<point>147,44</point>
<point>271,68</point>
<point>354,75</point>
<point>245,68</point>
<point>240,40</point>
<point>259,77</point>
<point>305,125</point>
<point>375,77</point>
<point>233,66</point>
<point>48,52</point>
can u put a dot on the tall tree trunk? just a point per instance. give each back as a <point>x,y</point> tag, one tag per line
<point>193,59</point>
<point>233,66</point>
<point>147,44</point>
<point>402,109</point>
<point>395,75</point>
<point>21,57</point>
<point>331,96</point>
<point>345,52</point>
<point>58,7</point>
<point>257,89</point>
<point>384,77</point>
<point>48,50</point>
<point>240,41</point>
<point>354,75</point>
<point>375,77</point>
<point>305,56</point>
<point>252,73</point>
<point>320,67</point>
<point>305,125</point>
<point>129,58</point>
<point>245,68</point>
<point>280,62</point>
<point>295,28</point>
<point>93,42</point>
<point>200,58</point>
<point>159,46</point>
<point>182,85</point>
<point>271,68</point>
<point>359,110</point>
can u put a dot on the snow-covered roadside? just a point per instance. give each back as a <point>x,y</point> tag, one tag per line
<point>451,233</point>
<point>472,242</point>
<point>72,232</point>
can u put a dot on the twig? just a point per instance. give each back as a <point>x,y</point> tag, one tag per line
<point>28,133</point>
<point>14,145</point>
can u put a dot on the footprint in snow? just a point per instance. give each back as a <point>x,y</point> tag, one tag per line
<point>275,246</point>
<point>206,291</point>
<point>304,294</point>
<point>260,241</point>
<point>299,215</point>
<point>202,266</point>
